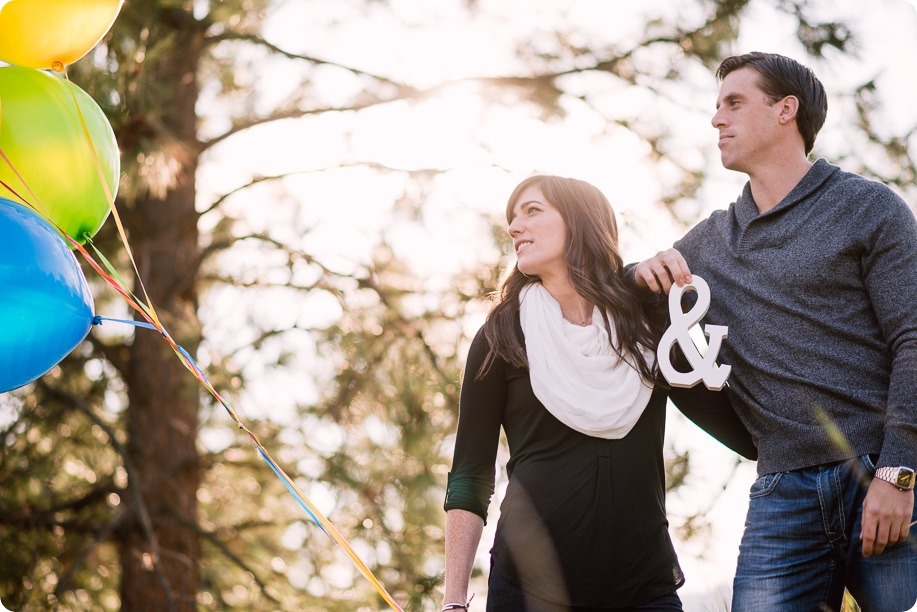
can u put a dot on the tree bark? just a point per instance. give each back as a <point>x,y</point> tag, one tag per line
<point>160,546</point>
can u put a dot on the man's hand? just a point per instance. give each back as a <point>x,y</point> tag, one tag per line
<point>659,273</point>
<point>887,514</point>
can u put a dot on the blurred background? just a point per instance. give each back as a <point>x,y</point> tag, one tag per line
<point>314,192</point>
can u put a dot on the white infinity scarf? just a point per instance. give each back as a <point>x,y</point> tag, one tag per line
<point>576,373</point>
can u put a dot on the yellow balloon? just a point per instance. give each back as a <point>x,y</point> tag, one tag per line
<point>44,33</point>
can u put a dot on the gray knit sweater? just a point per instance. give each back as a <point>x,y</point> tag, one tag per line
<point>820,296</point>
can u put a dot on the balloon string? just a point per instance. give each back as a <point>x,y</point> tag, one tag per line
<point>97,320</point>
<point>10,189</point>
<point>37,207</point>
<point>109,196</point>
<point>191,365</point>
<point>120,287</point>
<point>314,513</point>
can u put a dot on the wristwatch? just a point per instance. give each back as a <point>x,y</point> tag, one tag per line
<point>902,477</point>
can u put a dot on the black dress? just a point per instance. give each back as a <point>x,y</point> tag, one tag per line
<point>583,520</point>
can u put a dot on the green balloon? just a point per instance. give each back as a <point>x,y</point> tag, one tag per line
<point>42,135</point>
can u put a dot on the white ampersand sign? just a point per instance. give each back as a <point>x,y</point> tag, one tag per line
<point>705,367</point>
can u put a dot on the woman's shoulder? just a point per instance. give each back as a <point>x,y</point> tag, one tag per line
<point>480,341</point>
<point>490,345</point>
<point>485,337</point>
<point>479,347</point>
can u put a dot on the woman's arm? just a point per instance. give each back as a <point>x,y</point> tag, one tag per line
<point>463,534</point>
<point>471,482</point>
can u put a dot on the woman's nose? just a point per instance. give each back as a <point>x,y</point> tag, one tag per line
<point>515,227</point>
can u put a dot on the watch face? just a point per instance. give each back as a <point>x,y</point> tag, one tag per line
<point>905,478</point>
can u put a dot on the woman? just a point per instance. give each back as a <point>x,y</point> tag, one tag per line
<point>564,364</point>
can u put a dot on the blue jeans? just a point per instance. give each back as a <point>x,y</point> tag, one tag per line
<point>802,546</point>
<point>504,596</point>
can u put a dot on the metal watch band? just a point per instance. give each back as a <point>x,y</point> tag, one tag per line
<point>901,477</point>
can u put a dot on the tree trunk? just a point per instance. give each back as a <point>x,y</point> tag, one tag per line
<point>159,546</point>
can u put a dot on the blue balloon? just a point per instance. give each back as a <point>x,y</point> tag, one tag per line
<point>45,304</point>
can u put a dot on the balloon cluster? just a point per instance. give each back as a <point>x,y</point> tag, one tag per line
<point>59,171</point>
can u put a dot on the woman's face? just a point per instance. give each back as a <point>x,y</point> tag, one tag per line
<point>539,234</point>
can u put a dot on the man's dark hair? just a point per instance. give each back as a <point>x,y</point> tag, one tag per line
<point>782,77</point>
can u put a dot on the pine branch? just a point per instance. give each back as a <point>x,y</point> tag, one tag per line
<point>255,39</point>
<point>139,505</point>
<point>246,123</point>
<point>214,539</point>
<point>46,518</point>
<point>83,554</point>
<point>369,282</point>
<point>277,177</point>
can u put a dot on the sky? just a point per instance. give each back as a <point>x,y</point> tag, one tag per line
<point>424,43</point>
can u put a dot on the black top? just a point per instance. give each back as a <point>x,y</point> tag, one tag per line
<point>583,520</point>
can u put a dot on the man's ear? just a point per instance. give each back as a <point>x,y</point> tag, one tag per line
<point>789,106</point>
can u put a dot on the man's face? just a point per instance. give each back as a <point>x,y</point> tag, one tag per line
<point>747,120</point>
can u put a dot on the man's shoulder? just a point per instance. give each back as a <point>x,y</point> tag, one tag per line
<point>864,206</point>
<point>718,221</point>
<point>858,190</point>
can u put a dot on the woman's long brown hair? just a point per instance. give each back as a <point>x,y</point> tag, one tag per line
<point>595,269</point>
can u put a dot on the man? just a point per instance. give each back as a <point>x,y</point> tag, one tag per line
<point>814,271</point>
